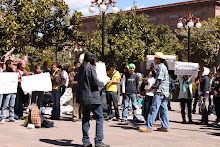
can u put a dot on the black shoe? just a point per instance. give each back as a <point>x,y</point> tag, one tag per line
<point>123,120</point>
<point>102,145</point>
<point>169,108</point>
<point>22,118</point>
<point>138,121</point>
<point>190,122</point>
<point>184,122</point>
<point>88,145</point>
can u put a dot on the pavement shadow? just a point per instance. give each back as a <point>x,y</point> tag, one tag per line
<point>214,134</point>
<point>60,142</point>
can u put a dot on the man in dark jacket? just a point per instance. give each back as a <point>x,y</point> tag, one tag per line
<point>204,94</point>
<point>88,95</point>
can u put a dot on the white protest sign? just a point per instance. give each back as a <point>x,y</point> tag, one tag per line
<point>186,68</point>
<point>38,82</point>
<point>8,82</point>
<point>101,72</point>
<point>169,58</point>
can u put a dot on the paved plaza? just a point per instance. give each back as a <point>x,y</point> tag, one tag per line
<point>116,134</point>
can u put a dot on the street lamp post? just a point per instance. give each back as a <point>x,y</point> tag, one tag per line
<point>103,7</point>
<point>188,22</point>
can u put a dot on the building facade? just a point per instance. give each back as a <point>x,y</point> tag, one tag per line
<point>168,14</point>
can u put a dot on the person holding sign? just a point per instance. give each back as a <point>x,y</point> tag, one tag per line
<point>88,95</point>
<point>161,92</point>
<point>111,91</point>
<point>37,95</point>
<point>20,97</point>
<point>9,99</point>
<point>186,96</point>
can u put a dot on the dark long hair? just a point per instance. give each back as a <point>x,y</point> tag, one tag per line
<point>89,58</point>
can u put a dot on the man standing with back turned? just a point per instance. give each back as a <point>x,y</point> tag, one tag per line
<point>161,88</point>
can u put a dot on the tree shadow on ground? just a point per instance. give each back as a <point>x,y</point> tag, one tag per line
<point>60,142</point>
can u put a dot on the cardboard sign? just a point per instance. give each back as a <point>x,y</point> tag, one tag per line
<point>169,58</point>
<point>186,68</point>
<point>101,72</point>
<point>38,82</point>
<point>8,82</point>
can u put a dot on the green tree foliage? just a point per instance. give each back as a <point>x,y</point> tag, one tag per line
<point>129,38</point>
<point>204,41</point>
<point>34,27</point>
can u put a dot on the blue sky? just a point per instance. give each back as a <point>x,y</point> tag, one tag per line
<point>83,5</point>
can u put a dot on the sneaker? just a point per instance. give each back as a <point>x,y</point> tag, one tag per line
<point>102,145</point>
<point>138,121</point>
<point>162,130</point>
<point>143,129</point>
<point>212,114</point>
<point>13,120</point>
<point>3,121</point>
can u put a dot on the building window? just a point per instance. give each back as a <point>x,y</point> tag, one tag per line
<point>173,16</point>
<point>153,18</point>
<point>197,13</point>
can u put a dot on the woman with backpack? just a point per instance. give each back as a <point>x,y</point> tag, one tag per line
<point>57,82</point>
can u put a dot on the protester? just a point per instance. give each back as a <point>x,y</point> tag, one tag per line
<point>1,95</point>
<point>9,99</point>
<point>66,77</point>
<point>20,97</point>
<point>125,71</point>
<point>216,96</point>
<point>57,82</point>
<point>131,90</point>
<point>148,96</point>
<point>204,94</point>
<point>73,84</point>
<point>211,109</point>
<point>161,92</point>
<point>197,92</point>
<point>171,89</point>
<point>88,95</point>
<point>37,95</point>
<point>186,96</point>
<point>45,68</point>
<point>111,91</point>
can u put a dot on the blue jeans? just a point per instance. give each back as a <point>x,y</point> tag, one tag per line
<point>98,115</point>
<point>158,104</point>
<point>1,97</point>
<point>56,104</point>
<point>126,106</point>
<point>9,101</point>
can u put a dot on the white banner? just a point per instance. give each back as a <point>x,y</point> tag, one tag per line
<point>38,82</point>
<point>169,58</point>
<point>186,68</point>
<point>8,82</point>
<point>101,72</point>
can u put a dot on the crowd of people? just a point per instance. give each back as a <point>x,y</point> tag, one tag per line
<point>88,94</point>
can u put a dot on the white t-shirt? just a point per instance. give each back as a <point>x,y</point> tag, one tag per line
<point>150,83</point>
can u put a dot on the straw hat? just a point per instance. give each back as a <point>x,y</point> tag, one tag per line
<point>159,55</point>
